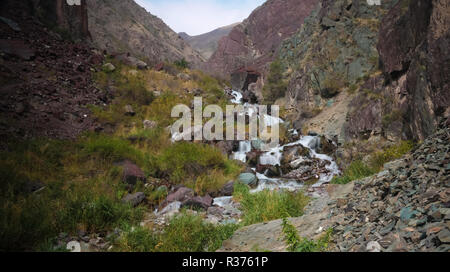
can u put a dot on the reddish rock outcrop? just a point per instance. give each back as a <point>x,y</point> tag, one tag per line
<point>255,41</point>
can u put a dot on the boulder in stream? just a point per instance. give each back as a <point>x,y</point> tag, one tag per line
<point>249,179</point>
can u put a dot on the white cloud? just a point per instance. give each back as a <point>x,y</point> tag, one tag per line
<point>200,16</point>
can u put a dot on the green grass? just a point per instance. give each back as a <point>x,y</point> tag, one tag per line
<point>109,148</point>
<point>380,158</point>
<point>185,233</point>
<point>83,189</point>
<point>358,169</point>
<point>268,205</point>
<point>297,244</point>
<point>184,159</point>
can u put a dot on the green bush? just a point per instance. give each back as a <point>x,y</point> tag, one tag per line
<point>182,64</point>
<point>137,239</point>
<point>268,205</point>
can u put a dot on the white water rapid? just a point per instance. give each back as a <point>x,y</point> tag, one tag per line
<point>273,157</point>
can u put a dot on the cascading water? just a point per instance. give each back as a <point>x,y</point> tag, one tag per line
<point>244,148</point>
<point>274,156</point>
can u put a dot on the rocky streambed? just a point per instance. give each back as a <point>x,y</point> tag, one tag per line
<point>297,165</point>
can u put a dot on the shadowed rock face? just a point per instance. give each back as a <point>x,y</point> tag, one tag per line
<point>69,16</point>
<point>414,45</point>
<point>255,41</point>
<point>125,27</point>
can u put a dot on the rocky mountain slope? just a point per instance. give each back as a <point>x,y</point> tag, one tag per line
<point>363,53</point>
<point>46,80</point>
<point>125,27</point>
<point>255,41</point>
<point>206,44</point>
<point>403,208</point>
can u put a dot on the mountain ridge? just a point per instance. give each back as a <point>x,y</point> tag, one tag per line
<point>207,43</point>
<point>126,27</point>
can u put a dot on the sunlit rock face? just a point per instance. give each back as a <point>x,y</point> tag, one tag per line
<point>125,27</point>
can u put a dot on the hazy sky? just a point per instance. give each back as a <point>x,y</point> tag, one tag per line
<point>200,16</point>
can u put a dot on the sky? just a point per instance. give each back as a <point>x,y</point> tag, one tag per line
<point>200,16</point>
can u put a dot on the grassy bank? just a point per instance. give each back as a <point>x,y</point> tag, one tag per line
<point>82,180</point>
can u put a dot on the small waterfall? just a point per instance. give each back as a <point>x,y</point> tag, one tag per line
<point>237,97</point>
<point>274,156</point>
<point>244,148</point>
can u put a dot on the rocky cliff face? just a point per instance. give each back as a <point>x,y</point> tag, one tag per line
<point>390,62</point>
<point>124,26</point>
<point>65,16</point>
<point>206,44</point>
<point>255,41</point>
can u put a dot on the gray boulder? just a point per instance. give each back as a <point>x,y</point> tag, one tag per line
<point>249,179</point>
<point>134,199</point>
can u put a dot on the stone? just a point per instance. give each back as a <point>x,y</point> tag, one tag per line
<point>184,76</point>
<point>386,241</point>
<point>33,186</point>
<point>109,67</point>
<point>249,179</point>
<point>407,214</point>
<point>73,246</point>
<point>171,209</point>
<point>227,189</point>
<point>198,202</point>
<point>373,247</point>
<point>132,173</point>
<point>444,236</point>
<point>132,61</point>
<point>181,194</point>
<point>149,124</point>
<point>129,110</point>
<point>12,24</point>
<point>341,202</point>
<point>17,48</point>
<point>134,199</point>
<point>216,211</point>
